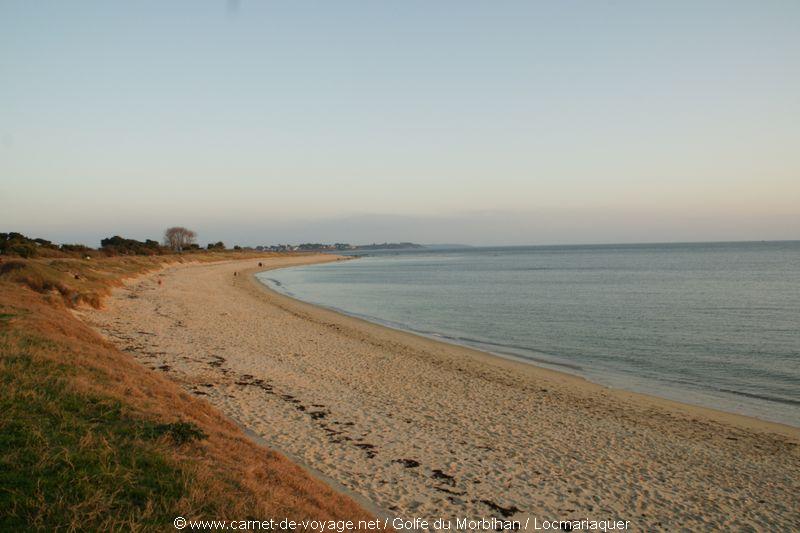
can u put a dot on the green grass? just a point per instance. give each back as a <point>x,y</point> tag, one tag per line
<point>70,460</point>
<point>89,440</point>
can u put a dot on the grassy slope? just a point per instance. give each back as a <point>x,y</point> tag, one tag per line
<point>89,439</point>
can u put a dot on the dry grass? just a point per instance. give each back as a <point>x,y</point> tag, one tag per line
<point>87,280</point>
<point>90,439</point>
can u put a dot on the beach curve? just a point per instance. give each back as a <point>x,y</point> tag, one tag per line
<point>425,428</point>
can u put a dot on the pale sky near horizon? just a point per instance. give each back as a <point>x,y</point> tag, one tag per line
<point>516,122</point>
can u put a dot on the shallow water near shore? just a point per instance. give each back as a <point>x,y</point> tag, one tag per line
<point>713,324</point>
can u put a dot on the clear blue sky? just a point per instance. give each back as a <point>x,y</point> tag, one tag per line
<point>478,122</point>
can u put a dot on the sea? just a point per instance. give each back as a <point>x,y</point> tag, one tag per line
<point>711,324</point>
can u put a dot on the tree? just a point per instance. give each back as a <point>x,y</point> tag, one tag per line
<point>178,238</point>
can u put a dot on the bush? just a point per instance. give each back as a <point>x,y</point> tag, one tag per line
<point>75,248</point>
<point>117,245</point>
<point>44,243</point>
<point>23,250</point>
<point>15,243</point>
<point>11,266</point>
<point>18,244</point>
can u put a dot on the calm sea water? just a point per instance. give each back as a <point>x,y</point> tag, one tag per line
<point>715,324</point>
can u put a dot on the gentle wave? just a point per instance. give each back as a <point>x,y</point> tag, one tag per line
<point>713,324</point>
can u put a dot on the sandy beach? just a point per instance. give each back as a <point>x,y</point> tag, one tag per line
<point>426,429</point>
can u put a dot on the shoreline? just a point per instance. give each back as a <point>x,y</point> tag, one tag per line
<point>745,421</point>
<point>421,427</point>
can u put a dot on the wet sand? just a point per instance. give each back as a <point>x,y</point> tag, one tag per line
<point>427,429</point>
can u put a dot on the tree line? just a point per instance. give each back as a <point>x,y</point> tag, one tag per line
<point>177,239</point>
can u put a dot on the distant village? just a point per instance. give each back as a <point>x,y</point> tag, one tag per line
<point>339,246</point>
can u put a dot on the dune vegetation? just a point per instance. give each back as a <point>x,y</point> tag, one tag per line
<point>90,439</point>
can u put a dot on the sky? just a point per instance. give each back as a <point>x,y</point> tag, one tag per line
<point>478,122</point>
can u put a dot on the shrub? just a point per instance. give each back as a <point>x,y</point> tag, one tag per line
<point>117,245</point>
<point>75,248</point>
<point>15,243</point>
<point>11,266</point>
<point>45,243</point>
<point>23,250</point>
